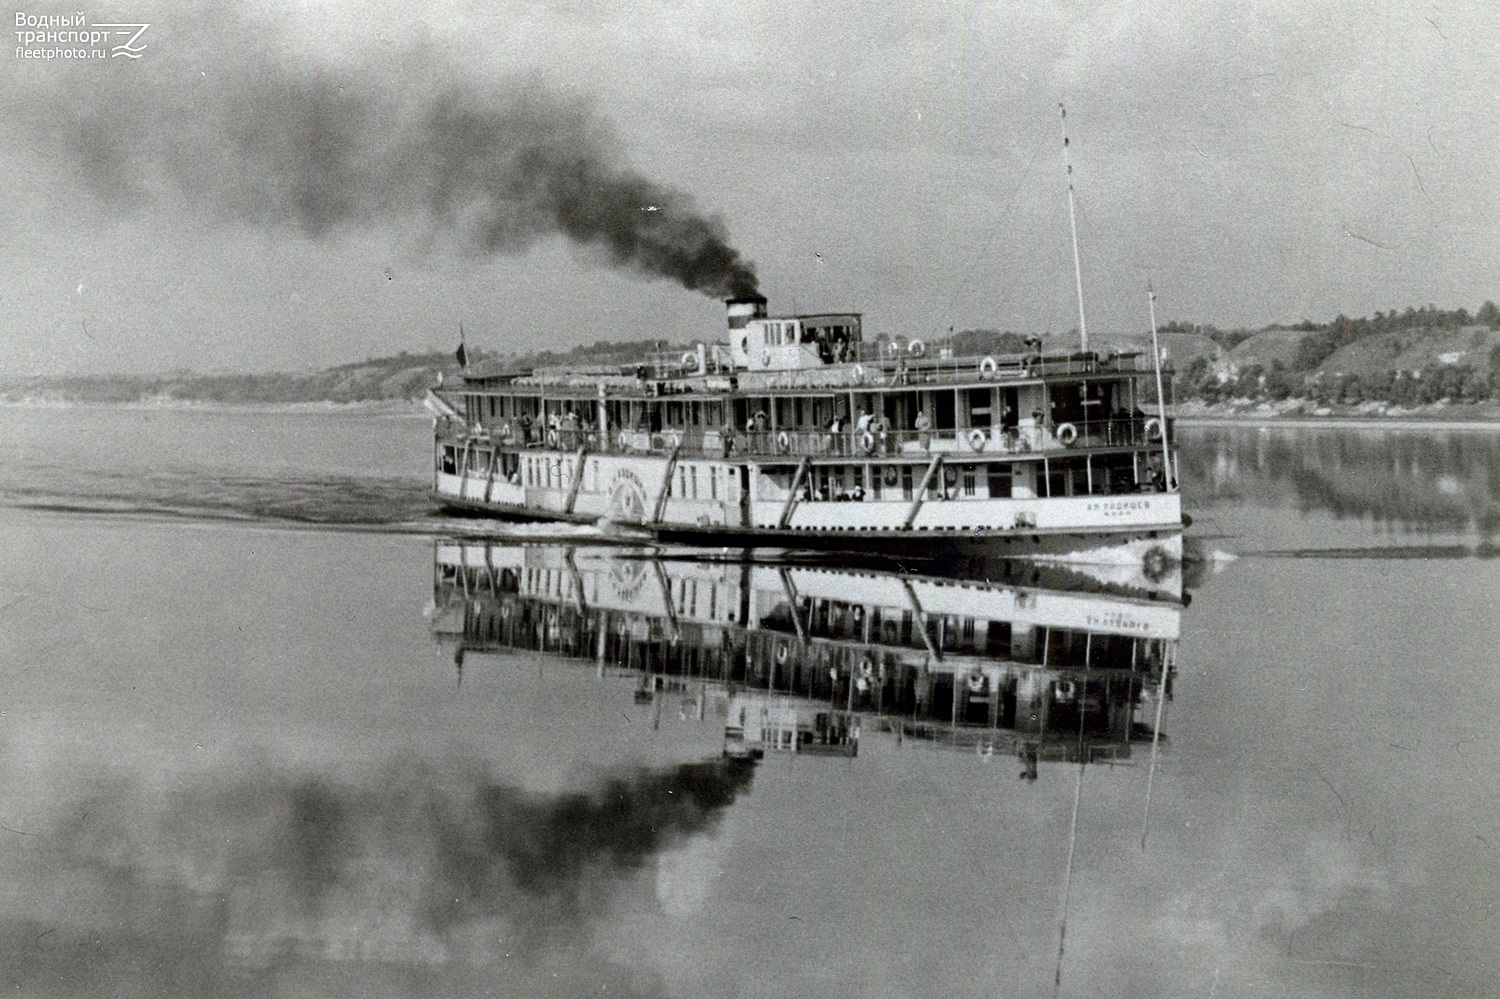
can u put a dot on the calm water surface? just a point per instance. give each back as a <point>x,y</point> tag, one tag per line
<point>269,726</point>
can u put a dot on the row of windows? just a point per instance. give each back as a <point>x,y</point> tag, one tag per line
<point>1072,477</point>
<point>705,482</point>
<point>891,482</point>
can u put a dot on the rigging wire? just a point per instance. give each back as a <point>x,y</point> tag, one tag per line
<point>982,255</point>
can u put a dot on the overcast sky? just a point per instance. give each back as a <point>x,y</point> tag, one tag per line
<point>289,186</point>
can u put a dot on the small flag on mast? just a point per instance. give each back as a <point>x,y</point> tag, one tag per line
<point>462,352</point>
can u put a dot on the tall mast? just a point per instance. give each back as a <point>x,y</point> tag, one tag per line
<point>1161,396</point>
<point>1083,326</point>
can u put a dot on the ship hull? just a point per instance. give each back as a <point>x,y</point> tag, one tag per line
<point>1133,528</point>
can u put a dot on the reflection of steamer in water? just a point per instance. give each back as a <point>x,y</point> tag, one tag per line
<point>803,658</point>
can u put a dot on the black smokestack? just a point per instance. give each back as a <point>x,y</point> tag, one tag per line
<point>396,140</point>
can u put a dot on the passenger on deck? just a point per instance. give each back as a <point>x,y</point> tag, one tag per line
<point>761,424</point>
<point>881,430</point>
<point>923,426</point>
<point>1156,478</point>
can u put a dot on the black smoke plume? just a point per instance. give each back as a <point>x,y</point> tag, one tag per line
<point>403,138</point>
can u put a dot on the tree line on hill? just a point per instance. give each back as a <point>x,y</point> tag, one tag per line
<point>1429,378</point>
<point>1303,374</point>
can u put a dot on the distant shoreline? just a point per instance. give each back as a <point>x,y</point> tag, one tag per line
<point>413,408</point>
<point>1340,422</point>
<point>364,407</point>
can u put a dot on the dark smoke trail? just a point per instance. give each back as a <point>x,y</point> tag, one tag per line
<point>389,141</point>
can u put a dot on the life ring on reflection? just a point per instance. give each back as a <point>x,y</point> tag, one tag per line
<point>781,651</point>
<point>765,358</point>
<point>950,476</point>
<point>783,442</point>
<point>1155,563</point>
<point>552,437</point>
<point>689,359</point>
<point>891,475</point>
<point>1067,690</point>
<point>867,442</point>
<point>976,682</point>
<point>1067,434</point>
<point>987,368</point>
<point>916,348</point>
<point>1153,429</point>
<point>867,668</point>
<point>977,439</point>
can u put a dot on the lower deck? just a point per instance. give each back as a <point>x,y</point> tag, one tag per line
<point>1036,505</point>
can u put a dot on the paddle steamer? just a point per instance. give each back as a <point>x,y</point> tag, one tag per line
<point>796,431</point>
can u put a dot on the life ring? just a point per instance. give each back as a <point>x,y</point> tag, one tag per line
<point>976,681</point>
<point>689,359</point>
<point>892,349</point>
<point>552,437</point>
<point>987,368</point>
<point>867,668</point>
<point>867,442</point>
<point>950,475</point>
<point>916,348</point>
<point>1155,564</point>
<point>1067,690</point>
<point>765,358</point>
<point>891,475</point>
<point>783,442</point>
<point>1067,434</point>
<point>978,438</point>
<point>1153,429</point>
<point>781,651</point>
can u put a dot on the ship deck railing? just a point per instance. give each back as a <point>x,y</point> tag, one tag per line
<point>872,444</point>
<point>869,368</point>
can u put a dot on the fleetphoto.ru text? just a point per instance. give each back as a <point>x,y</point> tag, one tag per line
<point>71,36</point>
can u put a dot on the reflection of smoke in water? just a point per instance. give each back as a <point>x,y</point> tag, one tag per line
<point>415,867</point>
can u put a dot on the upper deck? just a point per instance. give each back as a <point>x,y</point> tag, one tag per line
<point>869,368</point>
<point>810,386</point>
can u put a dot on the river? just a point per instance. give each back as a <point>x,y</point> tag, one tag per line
<point>270,725</point>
